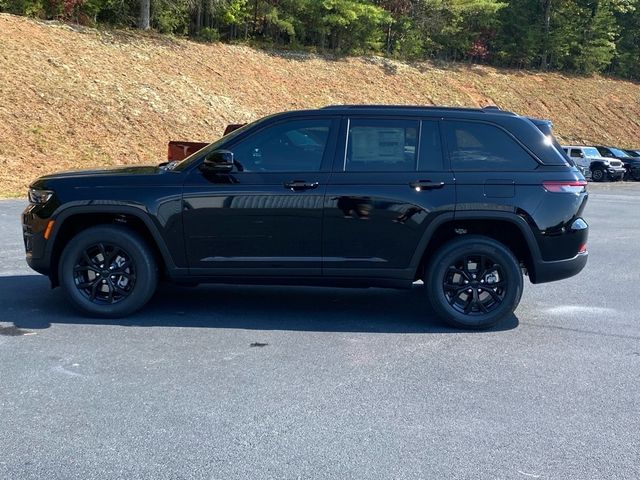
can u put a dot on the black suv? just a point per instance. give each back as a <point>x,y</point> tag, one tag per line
<point>464,199</point>
<point>631,162</point>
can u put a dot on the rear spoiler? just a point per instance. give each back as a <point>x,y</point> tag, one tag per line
<point>180,150</point>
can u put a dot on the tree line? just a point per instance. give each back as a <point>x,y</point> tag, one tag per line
<point>582,36</point>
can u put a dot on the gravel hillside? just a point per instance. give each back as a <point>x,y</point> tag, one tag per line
<point>73,97</point>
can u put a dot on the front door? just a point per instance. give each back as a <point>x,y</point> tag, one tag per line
<point>389,183</point>
<point>265,217</point>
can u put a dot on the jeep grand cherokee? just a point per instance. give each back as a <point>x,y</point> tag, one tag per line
<point>466,200</point>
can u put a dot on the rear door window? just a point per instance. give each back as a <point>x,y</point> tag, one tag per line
<point>382,145</point>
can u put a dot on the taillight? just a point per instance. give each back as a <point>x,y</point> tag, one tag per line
<point>583,248</point>
<point>569,186</point>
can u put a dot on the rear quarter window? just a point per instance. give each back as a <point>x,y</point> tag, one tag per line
<point>481,146</point>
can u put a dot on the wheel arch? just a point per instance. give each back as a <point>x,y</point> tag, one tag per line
<point>71,221</point>
<point>509,229</point>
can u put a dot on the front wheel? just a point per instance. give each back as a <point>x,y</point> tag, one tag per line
<point>598,175</point>
<point>474,282</point>
<point>108,271</point>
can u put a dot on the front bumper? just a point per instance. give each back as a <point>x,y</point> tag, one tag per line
<point>33,227</point>
<point>616,173</point>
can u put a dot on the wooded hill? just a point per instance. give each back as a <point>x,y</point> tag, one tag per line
<point>76,97</point>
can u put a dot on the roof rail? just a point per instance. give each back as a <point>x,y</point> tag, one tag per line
<point>487,109</point>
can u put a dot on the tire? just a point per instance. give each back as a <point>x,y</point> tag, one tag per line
<point>130,270</point>
<point>495,266</point>
<point>598,175</point>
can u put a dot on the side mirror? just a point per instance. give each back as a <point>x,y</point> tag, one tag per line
<point>218,161</point>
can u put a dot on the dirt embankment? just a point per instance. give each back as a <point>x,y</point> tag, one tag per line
<point>80,98</point>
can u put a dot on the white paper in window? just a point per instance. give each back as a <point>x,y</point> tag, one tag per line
<point>377,144</point>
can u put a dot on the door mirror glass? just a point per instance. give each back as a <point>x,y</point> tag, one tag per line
<point>218,161</point>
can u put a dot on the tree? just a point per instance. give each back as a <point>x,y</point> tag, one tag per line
<point>144,21</point>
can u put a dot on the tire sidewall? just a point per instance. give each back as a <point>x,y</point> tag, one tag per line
<point>473,245</point>
<point>141,257</point>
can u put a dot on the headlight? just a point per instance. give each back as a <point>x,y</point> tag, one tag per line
<point>39,196</point>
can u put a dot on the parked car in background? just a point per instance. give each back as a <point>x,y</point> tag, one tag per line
<point>601,168</point>
<point>630,162</point>
<point>179,150</point>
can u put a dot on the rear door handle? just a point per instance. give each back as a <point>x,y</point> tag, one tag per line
<point>426,185</point>
<point>298,185</point>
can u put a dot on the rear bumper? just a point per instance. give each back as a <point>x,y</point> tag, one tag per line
<point>558,269</point>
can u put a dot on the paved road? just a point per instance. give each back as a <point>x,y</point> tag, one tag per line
<point>351,384</point>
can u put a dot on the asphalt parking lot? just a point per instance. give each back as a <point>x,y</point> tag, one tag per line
<point>342,384</point>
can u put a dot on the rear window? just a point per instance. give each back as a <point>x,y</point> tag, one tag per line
<point>481,146</point>
<point>545,126</point>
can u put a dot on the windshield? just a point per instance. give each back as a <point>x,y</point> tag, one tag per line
<point>618,152</point>
<point>591,152</point>
<point>184,164</point>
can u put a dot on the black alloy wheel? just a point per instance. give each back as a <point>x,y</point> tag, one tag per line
<point>108,271</point>
<point>598,175</point>
<point>104,273</point>
<point>474,282</point>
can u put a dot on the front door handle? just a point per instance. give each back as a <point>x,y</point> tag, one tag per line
<point>425,185</point>
<point>298,185</point>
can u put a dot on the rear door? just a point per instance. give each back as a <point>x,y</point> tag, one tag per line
<point>388,184</point>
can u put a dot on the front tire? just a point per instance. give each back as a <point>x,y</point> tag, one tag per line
<point>108,271</point>
<point>598,175</point>
<point>474,282</point>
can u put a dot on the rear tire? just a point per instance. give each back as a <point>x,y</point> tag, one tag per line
<point>108,271</point>
<point>474,282</point>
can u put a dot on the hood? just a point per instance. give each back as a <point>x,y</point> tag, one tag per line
<point>610,160</point>
<point>143,170</point>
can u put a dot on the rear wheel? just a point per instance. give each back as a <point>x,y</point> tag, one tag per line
<point>474,282</point>
<point>108,271</point>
